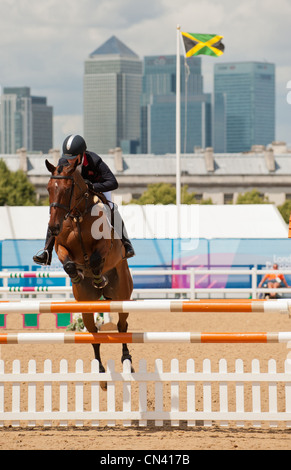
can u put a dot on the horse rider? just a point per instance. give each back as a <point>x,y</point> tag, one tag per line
<point>99,178</point>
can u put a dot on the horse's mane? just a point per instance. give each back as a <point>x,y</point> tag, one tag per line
<point>67,166</point>
<point>78,177</point>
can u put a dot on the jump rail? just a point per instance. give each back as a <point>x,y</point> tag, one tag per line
<point>148,337</point>
<point>191,291</point>
<point>45,289</point>
<point>146,306</point>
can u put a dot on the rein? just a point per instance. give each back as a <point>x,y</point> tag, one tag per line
<point>69,210</point>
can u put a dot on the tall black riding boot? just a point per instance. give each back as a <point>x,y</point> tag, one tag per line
<point>45,257</point>
<point>129,251</point>
<point>121,231</point>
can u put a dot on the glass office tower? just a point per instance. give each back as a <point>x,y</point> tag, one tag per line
<point>16,119</point>
<point>195,123</point>
<point>112,91</point>
<point>159,77</point>
<point>42,124</point>
<point>244,106</point>
<point>26,121</point>
<point>158,109</point>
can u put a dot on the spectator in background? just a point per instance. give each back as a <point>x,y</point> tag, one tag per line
<point>274,281</point>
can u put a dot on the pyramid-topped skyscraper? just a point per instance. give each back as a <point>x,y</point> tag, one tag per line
<point>114,47</point>
<point>112,90</point>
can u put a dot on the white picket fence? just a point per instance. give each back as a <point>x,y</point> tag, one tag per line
<point>143,397</point>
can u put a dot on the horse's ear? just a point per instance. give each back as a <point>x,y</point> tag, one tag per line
<point>50,166</point>
<point>73,166</point>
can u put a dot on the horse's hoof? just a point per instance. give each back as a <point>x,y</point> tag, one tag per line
<point>100,282</point>
<point>103,386</point>
<point>81,275</point>
<point>77,279</point>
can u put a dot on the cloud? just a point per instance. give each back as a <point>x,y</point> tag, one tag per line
<point>65,125</point>
<point>113,14</point>
<point>44,44</point>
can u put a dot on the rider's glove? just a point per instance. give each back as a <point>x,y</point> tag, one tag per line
<point>89,184</point>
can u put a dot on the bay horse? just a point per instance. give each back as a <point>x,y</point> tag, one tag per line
<point>90,251</point>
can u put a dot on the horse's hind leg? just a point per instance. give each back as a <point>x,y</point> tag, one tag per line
<point>88,319</point>
<point>122,328</point>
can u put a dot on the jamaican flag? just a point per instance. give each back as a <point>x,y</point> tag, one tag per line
<point>207,44</point>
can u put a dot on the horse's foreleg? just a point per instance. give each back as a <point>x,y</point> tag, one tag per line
<point>71,269</point>
<point>122,328</point>
<point>96,264</point>
<point>68,265</point>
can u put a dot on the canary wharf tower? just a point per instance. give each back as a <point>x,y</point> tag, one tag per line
<point>112,90</point>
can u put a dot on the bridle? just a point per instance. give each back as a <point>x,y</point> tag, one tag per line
<point>68,208</point>
<point>69,211</point>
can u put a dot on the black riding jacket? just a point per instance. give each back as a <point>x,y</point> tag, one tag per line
<point>95,170</point>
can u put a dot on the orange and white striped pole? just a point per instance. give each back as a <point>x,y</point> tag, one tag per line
<point>146,306</point>
<point>149,337</point>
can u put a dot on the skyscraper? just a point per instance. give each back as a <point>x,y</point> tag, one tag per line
<point>42,124</point>
<point>244,105</point>
<point>195,123</point>
<point>159,76</point>
<point>112,90</point>
<point>26,121</point>
<point>16,119</point>
<point>158,110</point>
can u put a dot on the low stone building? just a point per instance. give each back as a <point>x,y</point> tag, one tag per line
<point>220,177</point>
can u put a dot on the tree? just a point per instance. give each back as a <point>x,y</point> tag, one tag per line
<point>285,210</point>
<point>164,193</point>
<point>159,193</point>
<point>15,189</point>
<point>186,197</point>
<point>252,197</point>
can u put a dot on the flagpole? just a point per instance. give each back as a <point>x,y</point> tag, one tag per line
<point>178,132</point>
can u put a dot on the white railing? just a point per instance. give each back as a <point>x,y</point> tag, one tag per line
<point>43,397</point>
<point>192,292</point>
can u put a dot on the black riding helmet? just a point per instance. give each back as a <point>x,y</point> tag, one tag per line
<point>73,145</point>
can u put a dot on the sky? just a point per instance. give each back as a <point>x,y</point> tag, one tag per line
<point>44,44</point>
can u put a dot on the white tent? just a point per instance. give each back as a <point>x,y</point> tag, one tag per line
<point>197,221</point>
